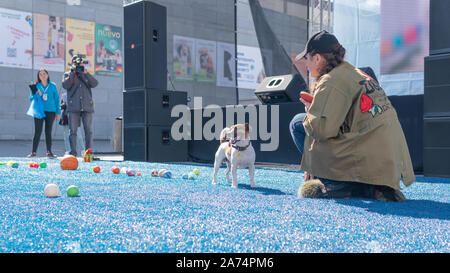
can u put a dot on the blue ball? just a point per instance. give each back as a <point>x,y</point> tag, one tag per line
<point>167,174</point>
<point>185,176</point>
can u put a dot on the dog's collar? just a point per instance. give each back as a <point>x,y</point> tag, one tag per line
<point>239,148</point>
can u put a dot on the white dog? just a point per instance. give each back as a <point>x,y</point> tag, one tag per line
<point>236,148</point>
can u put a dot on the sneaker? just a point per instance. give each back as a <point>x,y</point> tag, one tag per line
<point>51,155</point>
<point>389,194</point>
<point>33,154</point>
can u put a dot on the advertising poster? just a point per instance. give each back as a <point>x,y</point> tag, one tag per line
<point>80,39</point>
<point>226,65</point>
<point>404,31</point>
<point>49,42</point>
<point>205,61</point>
<point>108,50</point>
<point>250,69</point>
<point>16,44</point>
<point>183,58</point>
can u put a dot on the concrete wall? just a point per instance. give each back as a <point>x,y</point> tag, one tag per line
<point>202,19</point>
<point>14,91</point>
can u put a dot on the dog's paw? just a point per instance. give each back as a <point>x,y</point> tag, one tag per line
<point>234,186</point>
<point>214,182</point>
<point>253,186</point>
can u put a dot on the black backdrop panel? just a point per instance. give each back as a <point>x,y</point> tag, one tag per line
<point>437,85</point>
<point>409,110</point>
<point>439,27</point>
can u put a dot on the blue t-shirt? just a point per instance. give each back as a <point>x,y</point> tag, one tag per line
<point>52,103</point>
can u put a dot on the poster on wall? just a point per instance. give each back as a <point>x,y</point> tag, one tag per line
<point>80,39</point>
<point>250,69</point>
<point>108,50</point>
<point>226,65</point>
<point>16,44</point>
<point>205,61</point>
<point>183,58</point>
<point>49,42</point>
<point>404,31</point>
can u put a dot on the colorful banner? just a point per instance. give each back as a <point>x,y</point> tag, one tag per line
<point>205,61</point>
<point>404,30</point>
<point>108,50</point>
<point>16,44</point>
<point>80,39</point>
<point>250,71</point>
<point>183,58</point>
<point>49,42</point>
<point>226,65</point>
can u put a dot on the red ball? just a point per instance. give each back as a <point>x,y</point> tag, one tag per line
<point>115,169</point>
<point>96,169</point>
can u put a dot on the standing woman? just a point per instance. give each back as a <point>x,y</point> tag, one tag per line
<point>48,91</point>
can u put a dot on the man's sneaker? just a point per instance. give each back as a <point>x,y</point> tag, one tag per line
<point>33,154</point>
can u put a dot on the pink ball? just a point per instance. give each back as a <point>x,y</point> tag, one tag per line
<point>131,172</point>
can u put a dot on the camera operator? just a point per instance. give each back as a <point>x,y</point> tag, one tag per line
<point>80,106</point>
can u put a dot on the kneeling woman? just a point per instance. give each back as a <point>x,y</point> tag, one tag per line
<point>48,91</point>
<point>350,136</point>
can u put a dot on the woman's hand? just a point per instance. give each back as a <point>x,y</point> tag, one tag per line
<point>307,105</point>
<point>40,93</point>
<point>307,176</point>
<point>57,117</point>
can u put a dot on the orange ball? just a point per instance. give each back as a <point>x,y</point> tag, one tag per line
<point>115,169</point>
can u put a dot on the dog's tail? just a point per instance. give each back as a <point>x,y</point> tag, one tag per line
<point>223,135</point>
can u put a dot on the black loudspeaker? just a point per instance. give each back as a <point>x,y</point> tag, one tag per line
<point>439,27</point>
<point>135,143</point>
<point>436,152</point>
<point>147,123</point>
<point>280,89</point>
<point>437,85</point>
<point>153,144</point>
<point>150,106</point>
<point>145,45</point>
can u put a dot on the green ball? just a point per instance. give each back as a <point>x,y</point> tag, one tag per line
<point>43,165</point>
<point>72,191</point>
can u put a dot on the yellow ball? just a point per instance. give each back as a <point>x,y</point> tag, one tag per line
<point>196,171</point>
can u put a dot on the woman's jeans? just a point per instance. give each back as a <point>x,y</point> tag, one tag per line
<point>335,189</point>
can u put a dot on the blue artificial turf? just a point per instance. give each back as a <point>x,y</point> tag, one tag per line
<point>117,213</point>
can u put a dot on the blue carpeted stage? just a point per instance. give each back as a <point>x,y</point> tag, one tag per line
<point>117,213</point>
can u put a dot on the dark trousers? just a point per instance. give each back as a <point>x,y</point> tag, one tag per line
<point>336,189</point>
<point>38,124</point>
<point>74,122</point>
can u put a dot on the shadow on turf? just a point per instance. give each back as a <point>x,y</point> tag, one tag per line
<point>265,191</point>
<point>422,209</point>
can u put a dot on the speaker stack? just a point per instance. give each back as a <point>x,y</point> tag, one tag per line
<point>147,103</point>
<point>437,93</point>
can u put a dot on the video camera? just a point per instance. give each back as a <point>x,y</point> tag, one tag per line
<point>77,60</point>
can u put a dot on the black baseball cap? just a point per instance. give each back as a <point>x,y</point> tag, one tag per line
<point>321,42</point>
